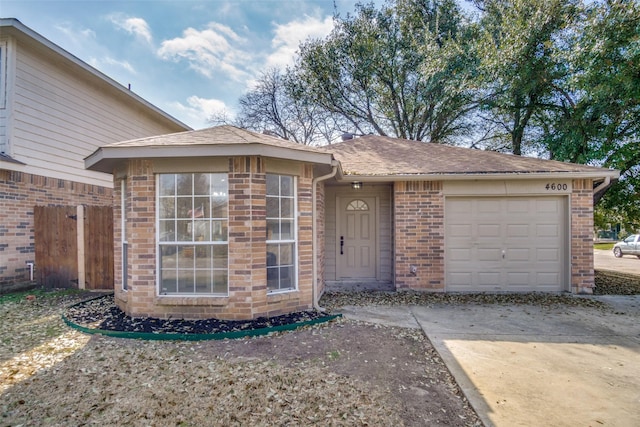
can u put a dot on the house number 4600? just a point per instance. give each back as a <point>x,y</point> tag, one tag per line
<point>556,187</point>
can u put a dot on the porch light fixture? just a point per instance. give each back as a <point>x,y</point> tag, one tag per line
<point>356,185</point>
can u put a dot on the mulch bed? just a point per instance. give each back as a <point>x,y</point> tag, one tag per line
<point>102,313</point>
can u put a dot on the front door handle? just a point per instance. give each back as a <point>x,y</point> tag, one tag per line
<point>341,245</point>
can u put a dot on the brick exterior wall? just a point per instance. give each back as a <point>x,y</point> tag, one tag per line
<point>419,235</point>
<point>582,275</point>
<point>248,297</point>
<point>19,193</point>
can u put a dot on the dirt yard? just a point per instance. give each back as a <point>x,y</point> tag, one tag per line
<point>341,373</point>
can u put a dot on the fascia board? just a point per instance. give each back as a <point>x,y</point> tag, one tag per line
<point>596,174</point>
<point>107,157</point>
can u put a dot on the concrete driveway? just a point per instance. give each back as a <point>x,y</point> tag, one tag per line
<point>604,260</point>
<point>530,366</point>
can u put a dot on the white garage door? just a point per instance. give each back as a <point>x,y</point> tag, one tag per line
<point>514,244</point>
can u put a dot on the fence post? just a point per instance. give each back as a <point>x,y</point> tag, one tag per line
<point>80,237</point>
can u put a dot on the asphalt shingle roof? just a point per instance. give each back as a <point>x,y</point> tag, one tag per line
<point>219,135</point>
<point>373,155</point>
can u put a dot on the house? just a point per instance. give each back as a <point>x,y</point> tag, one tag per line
<point>227,223</point>
<point>54,111</point>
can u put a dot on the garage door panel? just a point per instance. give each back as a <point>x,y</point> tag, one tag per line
<point>518,254</point>
<point>489,278</point>
<point>517,206</point>
<point>518,279</point>
<point>460,279</point>
<point>487,206</point>
<point>461,254</point>
<point>488,254</point>
<point>460,230</point>
<point>516,243</point>
<point>517,230</point>
<point>489,230</point>
<point>547,230</point>
<point>547,254</point>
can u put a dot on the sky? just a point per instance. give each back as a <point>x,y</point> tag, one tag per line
<point>190,58</point>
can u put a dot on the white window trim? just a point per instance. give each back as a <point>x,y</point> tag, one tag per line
<point>296,214</point>
<point>194,243</point>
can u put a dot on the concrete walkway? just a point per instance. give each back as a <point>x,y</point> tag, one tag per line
<point>534,366</point>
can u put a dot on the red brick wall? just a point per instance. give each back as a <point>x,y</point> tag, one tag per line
<point>419,235</point>
<point>248,297</point>
<point>582,275</point>
<point>19,193</point>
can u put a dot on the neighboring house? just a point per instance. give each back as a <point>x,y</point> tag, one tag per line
<point>227,223</point>
<point>54,111</point>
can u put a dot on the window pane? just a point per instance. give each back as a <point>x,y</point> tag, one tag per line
<point>273,208</point>
<point>273,254</point>
<point>273,229</point>
<point>203,257</point>
<point>219,207</point>
<point>184,207</point>
<point>220,256</point>
<point>167,186</point>
<point>184,184</point>
<point>286,229</point>
<point>167,207</point>
<point>219,231</point>
<point>286,210</point>
<point>168,282</point>
<point>185,257</point>
<point>186,281</point>
<point>167,231</point>
<point>286,254</point>
<point>220,282</point>
<point>286,186</point>
<point>286,277</point>
<point>204,279</point>
<point>183,230</point>
<point>201,184</point>
<point>273,185</point>
<point>219,185</point>
<point>201,230</point>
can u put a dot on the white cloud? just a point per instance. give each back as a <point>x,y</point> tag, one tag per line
<point>136,26</point>
<point>77,36</point>
<point>216,49</point>
<point>288,37</point>
<point>198,111</point>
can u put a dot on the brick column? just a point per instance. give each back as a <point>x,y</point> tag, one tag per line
<point>247,238</point>
<point>582,275</point>
<point>419,235</point>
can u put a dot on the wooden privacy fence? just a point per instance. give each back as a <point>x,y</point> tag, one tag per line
<point>74,246</point>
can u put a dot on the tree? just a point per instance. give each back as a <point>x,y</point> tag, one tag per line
<point>598,117</point>
<point>401,70</point>
<point>518,70</point>
<point>272,108</point>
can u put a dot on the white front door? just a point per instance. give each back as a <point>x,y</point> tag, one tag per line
<point>356,250</point>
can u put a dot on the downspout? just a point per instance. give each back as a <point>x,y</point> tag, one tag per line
<point>314,233</point>
<point>603,185</point>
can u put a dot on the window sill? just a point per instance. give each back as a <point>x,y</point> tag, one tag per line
<point>191,301</point>
<point>283,296</point>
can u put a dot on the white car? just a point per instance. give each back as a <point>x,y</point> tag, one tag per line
<point>629,246</point>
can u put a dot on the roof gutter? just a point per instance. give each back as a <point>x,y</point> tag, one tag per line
<point>602,173</point>
<point>603,185</point>
<point>314,215</point>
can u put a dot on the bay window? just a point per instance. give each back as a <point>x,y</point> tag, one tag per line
<point>192,239</point>
<point>281,233</point>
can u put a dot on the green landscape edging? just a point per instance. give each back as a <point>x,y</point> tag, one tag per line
<point>196,337</point>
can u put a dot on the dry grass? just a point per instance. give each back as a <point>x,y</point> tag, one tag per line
<point>50,375</point>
